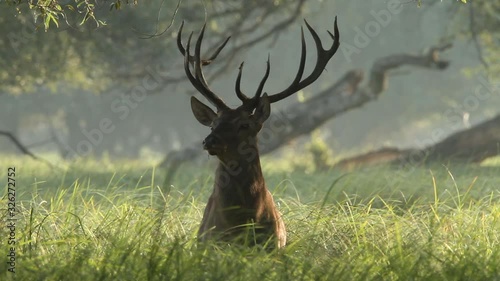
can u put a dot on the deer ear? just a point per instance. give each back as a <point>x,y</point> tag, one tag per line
<point>204,114</point>
<point>263,109</point>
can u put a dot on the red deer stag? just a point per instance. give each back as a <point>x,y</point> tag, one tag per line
<point>240,197</point>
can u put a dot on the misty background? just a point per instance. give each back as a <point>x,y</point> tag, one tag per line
<point>59,85</point>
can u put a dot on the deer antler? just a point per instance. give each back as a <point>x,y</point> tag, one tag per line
<point>198,79</point>
<point>324,57</point>
<point>251,102</point>
<point>199,82</point>
<point>191,58</point>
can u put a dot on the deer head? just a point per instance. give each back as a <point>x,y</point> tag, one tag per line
<point>243,197</point>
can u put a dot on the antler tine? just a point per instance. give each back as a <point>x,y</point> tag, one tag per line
<point>237,86</point>
<point>323,57</point>
<point>216,53</point>
<point>264,79</point>
<point>200,84</point>
<point>302,63</point>
<point>179,40</point>
<point>190,76</point>
<point>197,58</point>
<point>191,58</point>
<point>252,102</point>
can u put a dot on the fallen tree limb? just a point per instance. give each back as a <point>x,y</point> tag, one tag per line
<point>472,145</point>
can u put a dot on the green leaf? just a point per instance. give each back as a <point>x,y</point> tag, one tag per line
<point>47,22</point>
<point>85,17</point>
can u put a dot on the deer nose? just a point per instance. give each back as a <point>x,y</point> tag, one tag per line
<point>210,141</point>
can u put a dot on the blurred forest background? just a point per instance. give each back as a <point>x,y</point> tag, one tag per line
<point>61,75</point>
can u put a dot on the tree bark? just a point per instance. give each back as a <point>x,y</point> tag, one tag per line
<point>475,144</point>
<point>344,95</point>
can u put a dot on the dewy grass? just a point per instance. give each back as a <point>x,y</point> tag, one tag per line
<point>94,222</point>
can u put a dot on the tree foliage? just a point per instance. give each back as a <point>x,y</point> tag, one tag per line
<point>50,44</point>
<point>51,12</point>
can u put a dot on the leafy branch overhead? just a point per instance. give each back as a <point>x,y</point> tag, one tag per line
<point>52,12</point>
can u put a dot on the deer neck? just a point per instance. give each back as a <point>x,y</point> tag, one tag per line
<point>241,179</point>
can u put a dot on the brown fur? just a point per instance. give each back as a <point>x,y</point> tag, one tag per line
<point>241,206</point>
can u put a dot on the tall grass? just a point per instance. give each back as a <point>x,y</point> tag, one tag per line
<point>96,221</point>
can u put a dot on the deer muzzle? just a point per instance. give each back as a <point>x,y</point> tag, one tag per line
<point>213,145</point>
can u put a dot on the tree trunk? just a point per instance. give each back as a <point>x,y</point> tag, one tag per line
<point>302,118</point>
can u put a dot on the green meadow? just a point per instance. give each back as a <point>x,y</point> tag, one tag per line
<point>118,221</point>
